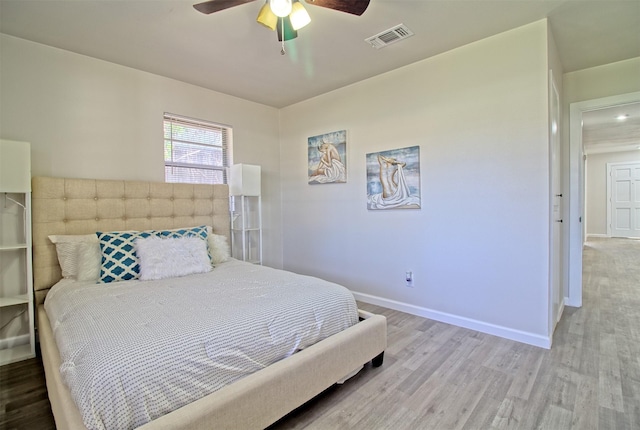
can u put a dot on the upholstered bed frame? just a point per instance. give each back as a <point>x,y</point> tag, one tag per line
<point>84,206</point>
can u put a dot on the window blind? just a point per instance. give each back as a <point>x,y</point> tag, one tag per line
<point>195,151</point>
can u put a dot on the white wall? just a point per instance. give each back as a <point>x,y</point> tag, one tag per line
<point>478,248</point>
<point>596,188</point>
<point>621,77</point>
<point>479,245</point>
<point>87,118</point>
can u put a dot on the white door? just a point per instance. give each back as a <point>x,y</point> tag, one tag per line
<point>624,200</point>
<point>556,291</point>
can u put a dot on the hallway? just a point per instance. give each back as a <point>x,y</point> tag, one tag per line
<point>600,342</point>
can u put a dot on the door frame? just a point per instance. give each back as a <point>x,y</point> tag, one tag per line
<point>577,186</point>
<point>610,167</point>
<point>556,259</point>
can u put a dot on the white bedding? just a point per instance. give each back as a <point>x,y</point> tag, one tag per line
<point>133,351</point>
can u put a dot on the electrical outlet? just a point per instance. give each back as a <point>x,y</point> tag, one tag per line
<point>408,277</point>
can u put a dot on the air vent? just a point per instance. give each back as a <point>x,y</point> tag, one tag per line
<point>390,36</point>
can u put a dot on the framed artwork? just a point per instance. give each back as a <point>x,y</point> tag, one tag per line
<point>328,158</point>
<point>393,179</point>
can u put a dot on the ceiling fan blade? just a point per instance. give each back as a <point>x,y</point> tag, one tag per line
<point>355,7</point>
<point>212,6</point>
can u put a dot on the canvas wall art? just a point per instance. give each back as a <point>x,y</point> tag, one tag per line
<point>393,179</point>
<point>328,158</point>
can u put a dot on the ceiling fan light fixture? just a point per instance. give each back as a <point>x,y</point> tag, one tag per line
<point>299,16</point>
<point>281,8</point>
<point>266,17</point>
<point>285,30</point>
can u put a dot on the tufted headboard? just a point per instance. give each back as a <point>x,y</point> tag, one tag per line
<point>84,206</point>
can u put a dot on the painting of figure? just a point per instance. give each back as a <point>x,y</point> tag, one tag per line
<point>393,179</point>
<point>328,158</point>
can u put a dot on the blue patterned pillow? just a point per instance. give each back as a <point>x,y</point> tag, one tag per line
<point>119,260</point>
<point>200,231</point>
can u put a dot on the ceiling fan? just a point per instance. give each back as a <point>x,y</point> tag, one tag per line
<point>287,16</point>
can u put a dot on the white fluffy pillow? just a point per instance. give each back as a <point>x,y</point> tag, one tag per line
<point>89,261</point>
<point>218,247</point>
<point>67,250</point>
<point>171,257</point>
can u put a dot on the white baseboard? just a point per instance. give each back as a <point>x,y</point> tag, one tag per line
<point>606,236</point>
<point>560,312</point>
<point>573,303</point>
<point>596,235</point>
<point>492,329</point>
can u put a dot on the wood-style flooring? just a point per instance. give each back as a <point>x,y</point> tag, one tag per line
<point>438,376</point>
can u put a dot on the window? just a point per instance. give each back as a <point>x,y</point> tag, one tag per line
<point>195,152</point>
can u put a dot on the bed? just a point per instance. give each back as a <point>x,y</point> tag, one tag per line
<point>83,206</point>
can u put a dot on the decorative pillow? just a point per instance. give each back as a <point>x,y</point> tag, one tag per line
<point>170,257</point>
<point>89,261</point>
<point>119,260</point>
<point>218,248</point>
<point>67,250</point>
<point>200,231</point>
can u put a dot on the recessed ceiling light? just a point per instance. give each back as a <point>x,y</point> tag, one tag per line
<point>622,117</point>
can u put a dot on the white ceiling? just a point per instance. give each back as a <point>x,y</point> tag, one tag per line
<point>603,131</point>
<point>230,53</point>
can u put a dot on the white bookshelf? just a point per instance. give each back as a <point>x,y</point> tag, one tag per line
<point>246,212</point>
<point>17,334</point>
<point>246,228</point>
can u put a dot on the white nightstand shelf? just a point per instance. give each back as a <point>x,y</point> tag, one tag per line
<point>246,213</point>
<point>16,353</point>
<point>12,247</point>
<point>246,228</point>
<point>17,334</point>
<point>20,299</point>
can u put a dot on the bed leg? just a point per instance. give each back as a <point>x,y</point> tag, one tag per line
<point>378,359</point>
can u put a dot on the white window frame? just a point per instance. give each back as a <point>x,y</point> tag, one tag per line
<point>199,124</point>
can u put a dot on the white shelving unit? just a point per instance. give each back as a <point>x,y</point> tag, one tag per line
<point>246,213</point>
<point>246,228</point>
<point>17,336</point>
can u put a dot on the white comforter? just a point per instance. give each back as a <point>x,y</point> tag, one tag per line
<point>133,351</point>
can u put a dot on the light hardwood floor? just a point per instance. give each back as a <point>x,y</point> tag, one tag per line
<point>437,376</point>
